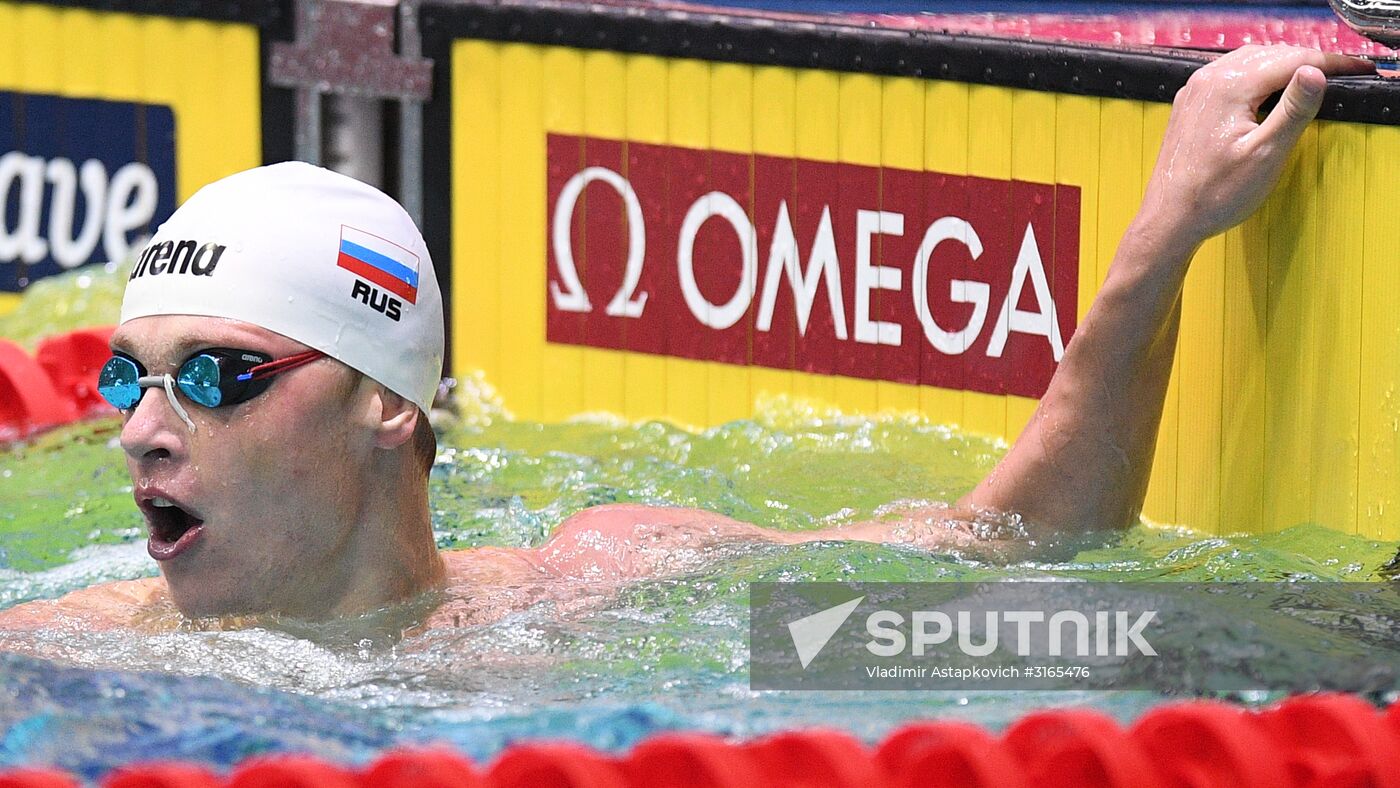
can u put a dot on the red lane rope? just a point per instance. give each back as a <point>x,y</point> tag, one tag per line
<point>1307,741</point>
<point>55,386</point>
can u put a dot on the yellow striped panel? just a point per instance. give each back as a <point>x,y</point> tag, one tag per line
<point>645,395</point>
<point>1336,280</point>
<point>1199,382</point>
<point>476,149</point>
<point>858,135</point>
<point>1077,118</point>
<point>818,114</point>
<point>605,116</point>
<point>687,381</point>
<point>1120,174</point>
<point>989,141</point>
<point>902,147</point>
<point>517,170</point>
<point>1281,408</point>
<point>1380,342</point>
<point>1290,351</point>
<point>125,75</point>
<point>9,44</point>
<point>80,71</point>
<point>945,150</point>
<point>731,130</point>
<point>40,48</point>
<point>562,97</point>
<point>1245,295</point>
<point>1033,132</point>
<point>774,134</point>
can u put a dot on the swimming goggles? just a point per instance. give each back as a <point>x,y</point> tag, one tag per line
<point>213,378</point>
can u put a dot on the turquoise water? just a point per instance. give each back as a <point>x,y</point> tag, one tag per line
<point>663,654</point>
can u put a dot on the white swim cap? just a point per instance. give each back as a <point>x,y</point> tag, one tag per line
<point>313,255</point>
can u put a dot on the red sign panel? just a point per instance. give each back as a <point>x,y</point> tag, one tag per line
<point>869,272</point>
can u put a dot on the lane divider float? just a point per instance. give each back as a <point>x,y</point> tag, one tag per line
<point>1306,741</point>
<point>55,386</point>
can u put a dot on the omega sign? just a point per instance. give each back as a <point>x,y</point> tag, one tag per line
<point>869,272</point>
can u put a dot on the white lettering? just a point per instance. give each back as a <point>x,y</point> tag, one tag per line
<point>111,210</point>
<point>884,625</point>
<point>725,207</point>
<point>572,297</point>
<point>68,251</point>
<point>131,203</point>
<point>965,634</point>
<point>1023,620</point>
<point>875,277</point>
<point>1081,632</point>
<point>783,256</point>
<point>924,638</point>
<point>1134,634</point>
<point>961,291</point>
<point>1041,322</point>
<point>23,243</point>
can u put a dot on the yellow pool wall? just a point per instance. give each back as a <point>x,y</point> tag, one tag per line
<point>1282,408</point>
<point>208,73</point>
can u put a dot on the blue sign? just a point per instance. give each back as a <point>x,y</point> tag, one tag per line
<point>83,181</point>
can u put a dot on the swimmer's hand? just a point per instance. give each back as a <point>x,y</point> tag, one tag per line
<point>1218,160</point>
<point>1084,460</point>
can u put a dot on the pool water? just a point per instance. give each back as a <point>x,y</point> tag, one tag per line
<point>659,655</point>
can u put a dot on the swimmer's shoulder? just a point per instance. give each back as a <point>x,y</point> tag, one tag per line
<point>490,564</point>
<point>115,605</point>
<point>140,592</point>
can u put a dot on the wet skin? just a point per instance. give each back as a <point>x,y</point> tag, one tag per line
<point>279,481</point>
<point>314,508</point>
<point>335,521</point>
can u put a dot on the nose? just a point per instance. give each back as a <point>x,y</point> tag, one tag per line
<point>154,430</point>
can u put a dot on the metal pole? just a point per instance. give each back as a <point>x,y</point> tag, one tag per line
<point>410,120</point>
<point>308,126</point>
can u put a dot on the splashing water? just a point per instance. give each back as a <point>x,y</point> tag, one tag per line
<point>658,655</point>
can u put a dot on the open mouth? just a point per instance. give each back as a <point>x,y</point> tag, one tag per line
<point>172,528</point>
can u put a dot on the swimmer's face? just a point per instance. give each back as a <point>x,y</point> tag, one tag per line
<point>272,484</point>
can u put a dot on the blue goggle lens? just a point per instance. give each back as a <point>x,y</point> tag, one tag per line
<point>117,383</point>
<point>210,378</point>
<point>199,380</point>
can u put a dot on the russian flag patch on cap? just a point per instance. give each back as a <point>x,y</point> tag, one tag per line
<point>380,261</point>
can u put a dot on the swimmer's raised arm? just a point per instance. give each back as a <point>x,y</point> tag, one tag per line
<point>1084,459</point>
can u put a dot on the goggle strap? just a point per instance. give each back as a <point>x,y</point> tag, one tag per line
<point>280,365</point>
<point>167,381</point>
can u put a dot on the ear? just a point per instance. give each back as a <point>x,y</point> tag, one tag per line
<point>397,420</point>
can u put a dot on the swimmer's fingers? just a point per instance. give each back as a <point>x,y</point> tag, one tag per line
<point>1276,66</point>
<point>1302,74</point>
<point>1261,71</point>
<point>1298,105</point>
<point>1218,161</point>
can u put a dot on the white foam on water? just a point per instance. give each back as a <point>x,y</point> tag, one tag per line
<point>86,566</point>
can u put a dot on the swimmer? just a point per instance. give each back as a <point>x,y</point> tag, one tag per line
<point>281,340</point>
